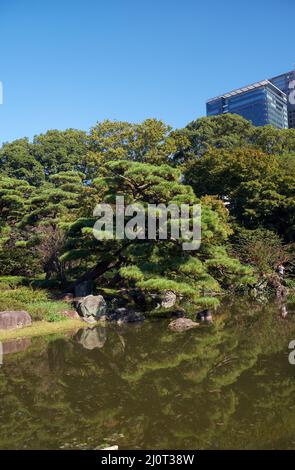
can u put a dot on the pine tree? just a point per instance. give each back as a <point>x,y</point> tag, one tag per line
<point>156,266</point>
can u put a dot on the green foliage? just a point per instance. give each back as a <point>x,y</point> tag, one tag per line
<point>262,249</point>
<point>60,151</point>
<point>258,188</point>
<point>36,302</point>
<point>239,173</point>
<point>231,132</point>
<point>154,266</point>
<point>17,161</point>
<point>224,131</point>
<point>19,298</point>
<point>47,310</point>
<point>149,142</point>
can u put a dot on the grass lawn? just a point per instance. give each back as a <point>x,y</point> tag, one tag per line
<point>42,328</point>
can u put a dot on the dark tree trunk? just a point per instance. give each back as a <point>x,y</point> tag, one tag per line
<point>98,270</point>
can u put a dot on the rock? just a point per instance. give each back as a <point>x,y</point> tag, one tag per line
<point>10,320</point>
<point>182,324</point>
<point>168,299</point>
<point>90,319</point>
<point>124,315</point>
<point>71,314</point>
<point>92,307</point>
<point>92,338</point>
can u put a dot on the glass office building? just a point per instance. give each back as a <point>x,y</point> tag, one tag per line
<point>262,103</point>
<point>286,83</point>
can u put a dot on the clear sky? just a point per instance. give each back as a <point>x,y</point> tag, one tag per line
<point>70,63</point>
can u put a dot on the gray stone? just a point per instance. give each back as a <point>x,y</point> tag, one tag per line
<point>168,299</point>
<point>182,324</point>
<point>92,307</point>
<point>10,320</point>
<point>90,319</point>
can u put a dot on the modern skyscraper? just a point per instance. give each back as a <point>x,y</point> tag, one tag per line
<point>286,83</point>
<point>262,103</point>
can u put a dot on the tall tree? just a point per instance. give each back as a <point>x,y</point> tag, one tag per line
<point>258,188</point>
<point>152,141</point>
<point>17,161</point>
<point>155,266</point>
<point>60,151</point>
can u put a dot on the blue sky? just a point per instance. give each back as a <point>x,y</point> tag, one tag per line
<point>70,63</point>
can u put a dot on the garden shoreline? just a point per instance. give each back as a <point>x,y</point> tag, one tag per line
<point>43,328</point>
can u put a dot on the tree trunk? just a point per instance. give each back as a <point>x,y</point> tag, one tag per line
<point>98,270</point>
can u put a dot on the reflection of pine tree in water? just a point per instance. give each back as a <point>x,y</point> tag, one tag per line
<point>151,388</point>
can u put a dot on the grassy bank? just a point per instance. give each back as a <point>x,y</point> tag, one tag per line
<point>39,303</point>
<point>41,328</point>
<point>46,312</point>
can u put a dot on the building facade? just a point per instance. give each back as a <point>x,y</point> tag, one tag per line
<point>286,83</point>
<point>262,103</point>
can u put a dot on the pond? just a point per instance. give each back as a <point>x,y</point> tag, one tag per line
<point>228,385</point>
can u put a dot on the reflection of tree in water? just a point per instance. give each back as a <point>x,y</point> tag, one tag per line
<point>228,385</point>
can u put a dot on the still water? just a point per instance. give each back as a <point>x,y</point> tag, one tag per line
<point>228,385</point>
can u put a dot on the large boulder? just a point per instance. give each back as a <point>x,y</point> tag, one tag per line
<point>182,324</point>
<point>92,307</point>
<point>10,319</point>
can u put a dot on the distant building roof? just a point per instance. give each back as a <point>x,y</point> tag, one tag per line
<point>292,72</point>
<point>248,88</point>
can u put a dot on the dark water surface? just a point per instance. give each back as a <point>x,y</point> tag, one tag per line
<point>229,385</point>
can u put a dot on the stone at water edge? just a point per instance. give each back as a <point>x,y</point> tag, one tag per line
<point>92,307</point>
<point>182,324</point>
<point>10,319</point>
<point>168,299</point>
